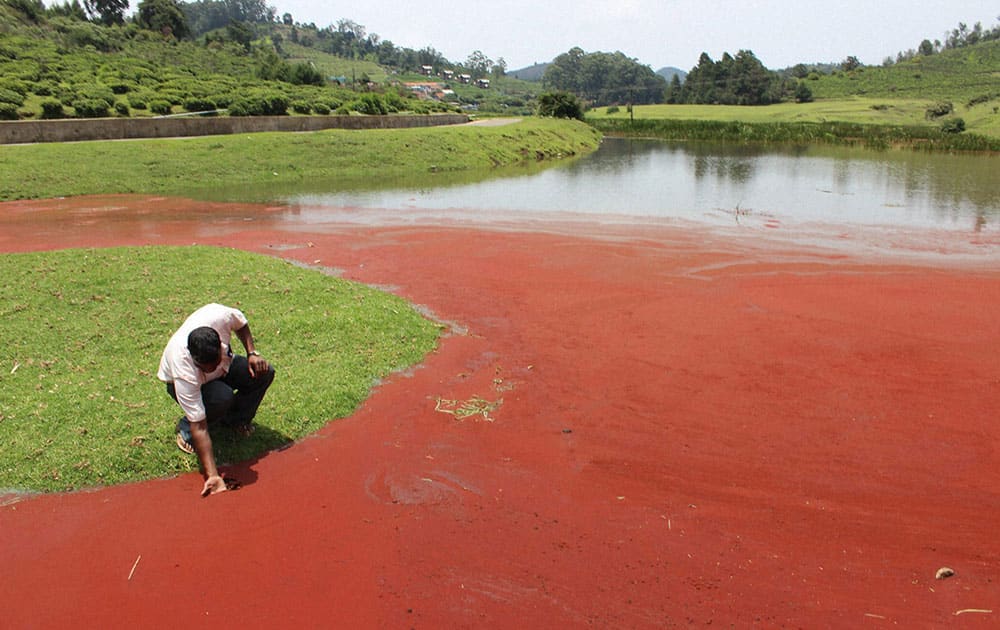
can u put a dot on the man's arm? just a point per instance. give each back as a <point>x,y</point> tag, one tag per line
<point>202,443</point>
<point>257,363</point>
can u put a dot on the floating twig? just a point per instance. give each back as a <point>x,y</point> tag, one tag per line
<point>133,567</point>
<point>972,610</point>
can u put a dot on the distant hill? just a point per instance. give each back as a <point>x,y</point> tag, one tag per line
<point>668,73</point>
<point>958,74</point>
<point>531,73</point>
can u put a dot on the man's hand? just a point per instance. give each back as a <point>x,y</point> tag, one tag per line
<point>257,365</point>
<point>214,485</point>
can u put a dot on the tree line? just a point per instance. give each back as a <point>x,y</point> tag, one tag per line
<point>604,78</point>
<point>959,37</point>
<point>614,79</point>
<point>243,21</point>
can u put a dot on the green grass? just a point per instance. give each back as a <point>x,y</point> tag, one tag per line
<point>185,166</point>
<point>83,331</point>
<point>957,75</point>
<point>334,66</point>
<point>980,119</point>
<point>839,133</point>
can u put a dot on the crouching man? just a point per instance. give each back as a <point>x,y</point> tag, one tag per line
<point>211,384</point>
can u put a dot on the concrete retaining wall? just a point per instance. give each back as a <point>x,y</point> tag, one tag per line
<point>69,130</point>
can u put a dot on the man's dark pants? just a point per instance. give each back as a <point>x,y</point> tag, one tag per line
<point>232,399</point>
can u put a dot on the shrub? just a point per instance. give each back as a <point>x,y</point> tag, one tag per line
<point>95,92</point>
<point>160,106</point>
<point>953,125</point>
<point>52,109</point>
<point>370,104</point>
<point>939,109</point>
<point>301,107</point>
<point>560,105</point>
<point>260,104</point>
<point>802,93</point>
<point>12,97</point>
<point>43,88</point>
<point>614,109</point>
<point>122,109</point>
<point>8,111</point>
<point>321,108</point>
<point>979,100</point>
<point>137,101</point>
<point>199,104</point>
<point>14,85</point>
<point>121,87</point>
<point>91,108</point>
<point>304,74</point>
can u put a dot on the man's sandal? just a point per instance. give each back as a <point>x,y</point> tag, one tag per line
<point>184,445</point>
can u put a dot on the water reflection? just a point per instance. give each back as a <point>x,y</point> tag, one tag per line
<point>700,182</point>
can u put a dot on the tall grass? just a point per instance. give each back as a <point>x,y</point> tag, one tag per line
<point>841,133</point>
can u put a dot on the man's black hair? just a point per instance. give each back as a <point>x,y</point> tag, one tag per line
<point>204,344</point>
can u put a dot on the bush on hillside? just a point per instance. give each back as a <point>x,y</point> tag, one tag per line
<point>91,108</point>
<point>261,103</point>
<point>953,125</point>
<point>199,104</point>
<point>160,107</point>
<point>52,109</point>
<point>12,97</point>
<point>939,109</point>
<point>8,111</point>
<point>370,104</point>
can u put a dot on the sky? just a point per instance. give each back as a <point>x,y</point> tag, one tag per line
<point>656,33</point>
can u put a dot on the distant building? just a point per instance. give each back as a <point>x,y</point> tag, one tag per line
<point>427,70</point>
<point>465,78</point>
<point>483,83</point>
<point>447,75</point>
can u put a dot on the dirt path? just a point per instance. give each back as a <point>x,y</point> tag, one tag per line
<point>689,429</point>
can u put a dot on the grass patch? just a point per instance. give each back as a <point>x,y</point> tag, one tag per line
<point>836,133</point>
<point>980,117</point>
<point>83,331</point>
<point>185,166</point>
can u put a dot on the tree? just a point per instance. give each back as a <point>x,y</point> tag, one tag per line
<point>850,64</point>
<point>286,19</point>
<point>926,48</point>
<point>106,12</point>
<point>559,105</point>
<point>479,65</point>
<point>739,80</point>
<point>605,78</point>
<point>802,93</point>
<point>241,33</point>
<point>163,16</point>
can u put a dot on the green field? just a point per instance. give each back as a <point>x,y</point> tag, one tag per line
<point>979,119</point>
<point>189,165</point>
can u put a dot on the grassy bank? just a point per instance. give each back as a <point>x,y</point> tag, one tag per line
<point>854,120</point>
<point>83,331</point>
<point>877,136</point>
<point>171,166</point>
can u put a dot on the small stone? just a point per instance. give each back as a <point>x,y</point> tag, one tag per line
<point>567,430</point>
<point>944,572</point>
